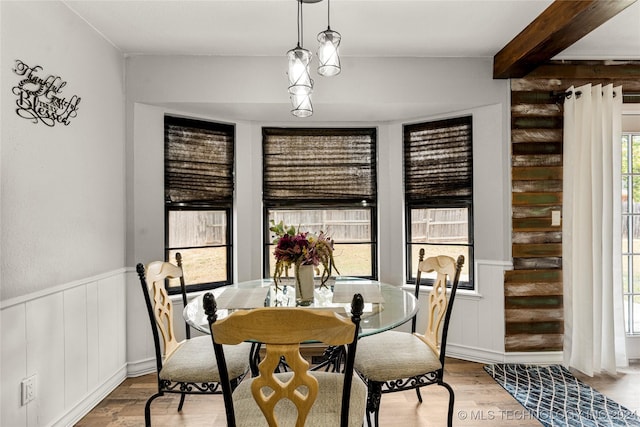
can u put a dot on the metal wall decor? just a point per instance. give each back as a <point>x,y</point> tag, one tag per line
<point>39,98</point>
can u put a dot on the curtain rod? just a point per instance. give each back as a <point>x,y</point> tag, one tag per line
<point>629,97</point>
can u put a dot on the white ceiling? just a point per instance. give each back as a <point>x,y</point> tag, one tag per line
<point>369,28</point>
<point>414,28</point>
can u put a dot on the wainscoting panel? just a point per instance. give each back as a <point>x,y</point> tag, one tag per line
<point>72,337</point>
<point>45,357</point>
<point>76,346</point>
<point>14,365</point>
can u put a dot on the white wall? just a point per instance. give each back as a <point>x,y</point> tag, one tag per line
<point>220,88</point>
<point>63,221</point>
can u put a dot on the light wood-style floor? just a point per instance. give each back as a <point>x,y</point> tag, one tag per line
<point>480,402</point>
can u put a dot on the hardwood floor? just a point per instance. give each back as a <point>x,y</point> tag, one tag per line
<point>480,402</point>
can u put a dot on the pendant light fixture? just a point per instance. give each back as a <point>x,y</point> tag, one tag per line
<point>329,61</point>
<point>301,105</point>
<point>299,58</point>
<point>300,83</point>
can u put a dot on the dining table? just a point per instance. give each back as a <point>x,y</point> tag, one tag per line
<point>386,306</point>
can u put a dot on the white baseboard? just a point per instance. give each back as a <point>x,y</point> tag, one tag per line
<point>537,357</point>
<point>473,354</point>
<point>481,355</point>
<point>84,406</point>
<point>141,367</point>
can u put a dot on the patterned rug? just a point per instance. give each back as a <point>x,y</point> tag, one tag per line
<point>556,398</point>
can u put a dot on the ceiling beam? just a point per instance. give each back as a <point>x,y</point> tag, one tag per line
<point>559,26</point>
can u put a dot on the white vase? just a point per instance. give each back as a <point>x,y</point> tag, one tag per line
<point>304,285</point>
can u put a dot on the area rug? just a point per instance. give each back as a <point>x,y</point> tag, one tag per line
<point>556,398</point>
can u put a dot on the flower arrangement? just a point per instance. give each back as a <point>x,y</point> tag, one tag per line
<point>294,248</point>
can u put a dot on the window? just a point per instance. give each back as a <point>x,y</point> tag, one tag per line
<point>631,231</point>
<point>198,185</point>
<point>438,185</point>
<point>323,180</point>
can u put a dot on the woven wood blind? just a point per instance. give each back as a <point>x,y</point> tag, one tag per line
<point>438,160</point>
<point>319,166</point>
<point>198,161</point>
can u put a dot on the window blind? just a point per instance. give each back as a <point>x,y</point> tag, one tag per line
<point>319,166</point>
<point>438,160</point>
<point>199,158</point>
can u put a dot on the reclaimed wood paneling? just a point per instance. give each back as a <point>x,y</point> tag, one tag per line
<point>537,186</point>
<point>537,237</point>
<point>536,173</point>
<point>534,342</point>
<point>531,121</point>
<point>533,211</point>
<point>537,276</point>
<point>536,135</point>
<point>536,198</point>
<point>553,147</point>
<point>535,328</point>
<point>533,290</point>
<point>533,318</point>
<point>536,250</point>
<point>533,224</point>
<point>536,160</point>
<point>533,263</point>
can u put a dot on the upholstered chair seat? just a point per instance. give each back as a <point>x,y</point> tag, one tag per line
<point>192,362</point>
<point>325,411</point>
<point>410,357</point>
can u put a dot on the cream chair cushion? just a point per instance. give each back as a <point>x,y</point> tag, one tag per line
<point>324,413</point>
<point>193,361</point>
<point>393,355</point>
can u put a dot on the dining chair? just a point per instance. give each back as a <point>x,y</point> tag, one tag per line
<point>396,361</point>
<point>186,366</point>
<point>299,397</point>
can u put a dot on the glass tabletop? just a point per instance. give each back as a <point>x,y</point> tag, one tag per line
<point>386,305</point>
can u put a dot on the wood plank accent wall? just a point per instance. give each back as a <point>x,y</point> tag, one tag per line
<point>533,290</point>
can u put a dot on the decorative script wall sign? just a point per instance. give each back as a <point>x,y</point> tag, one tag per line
<point>39,99</point>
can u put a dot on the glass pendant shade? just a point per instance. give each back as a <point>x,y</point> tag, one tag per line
<point>300,82</point>
<point>329,61</point>
<point>301,105</point>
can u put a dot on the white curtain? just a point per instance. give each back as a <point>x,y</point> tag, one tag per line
<point>594,337</point>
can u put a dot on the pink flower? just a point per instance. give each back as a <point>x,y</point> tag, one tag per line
<point>295,249</point>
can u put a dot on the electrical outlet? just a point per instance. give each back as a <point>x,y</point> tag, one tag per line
<point>555,218</point>
<point>28,389</point>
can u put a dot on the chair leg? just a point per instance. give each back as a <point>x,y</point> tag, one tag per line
<point>452,399</point>
<point>182,396</point>
<point>374,394</point>
<point>147,409</point>
<point>376,417</point>
<point>368,418</point>
<point>419,395</point>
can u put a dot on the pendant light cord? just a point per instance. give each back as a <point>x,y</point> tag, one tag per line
<point>328,14</point>
<point>299,22</point>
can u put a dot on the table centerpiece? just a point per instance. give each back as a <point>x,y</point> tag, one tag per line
<point>305,252</point>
